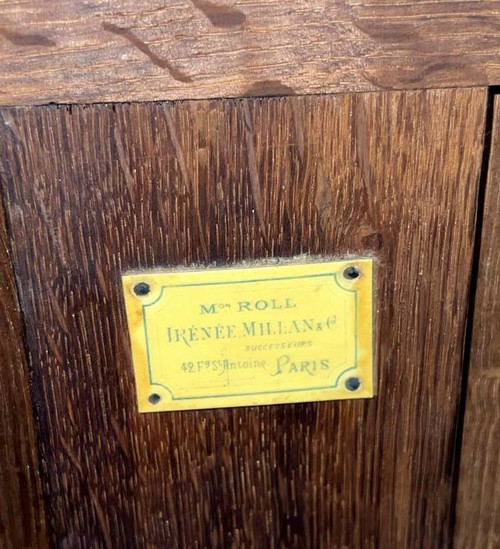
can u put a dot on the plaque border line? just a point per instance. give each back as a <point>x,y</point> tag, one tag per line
<point>280,391</point>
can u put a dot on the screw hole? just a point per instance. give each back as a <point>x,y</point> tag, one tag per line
<point>351,273</point>
<point>353,384</point>
<point>141,288</point>
<point>154,398</point>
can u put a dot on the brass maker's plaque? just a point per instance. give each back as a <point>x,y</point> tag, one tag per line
<point>211,338</point>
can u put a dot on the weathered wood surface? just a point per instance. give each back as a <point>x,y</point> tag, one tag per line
<point>478,507</point>
<point>22,521</point>
<point>69,51</point>
<point>93,191</point>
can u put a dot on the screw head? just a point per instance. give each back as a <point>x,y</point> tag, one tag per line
<point>154,398</point>
<point>142,288</point>
<point>351,273</point>
<point>353,384</point>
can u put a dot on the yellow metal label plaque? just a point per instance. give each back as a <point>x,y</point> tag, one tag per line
<point>212,338</point>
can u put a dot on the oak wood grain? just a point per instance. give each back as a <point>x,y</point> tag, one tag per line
<point>22,520</point>
<point>478,506</point>
<point>93,191</point>
<point>68,51</point>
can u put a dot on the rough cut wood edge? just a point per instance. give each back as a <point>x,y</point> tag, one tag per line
<point>478,506</point>
<point>22,522</point>
<point>87,52</point>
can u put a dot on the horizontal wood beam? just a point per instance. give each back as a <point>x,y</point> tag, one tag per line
<point>68,51</point>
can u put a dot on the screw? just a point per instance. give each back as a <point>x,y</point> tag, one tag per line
<point>351,273</point>
<point>154,398</point>
<point>142,288</point>
<point>353,384</point>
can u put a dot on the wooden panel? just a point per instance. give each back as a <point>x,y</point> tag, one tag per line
<point>478,507</point>
<point>22,522</point>
<point>93,191</point>
<point>73,52</point>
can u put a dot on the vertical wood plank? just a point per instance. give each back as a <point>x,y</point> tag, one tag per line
<point>93,191</point>
<point>478,506</point>
<point>22,521</point>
